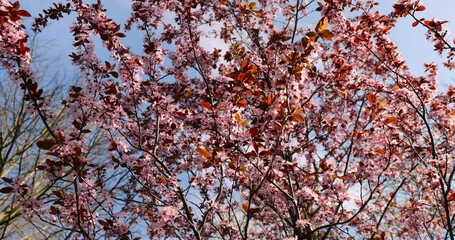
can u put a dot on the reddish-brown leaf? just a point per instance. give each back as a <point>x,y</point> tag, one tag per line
<point>371,98</point>
<point>390,120</point>
<point>247,67</point>
<point>41,167</point>
<point>16,5</point>
<point>277,126</point>
<point>253,131</point>
<point>45,144</point>
<point>23,13</point>
<point>242,103</point>
<point>297,118</point>
<point>203,152</point>
<point>245,207</point>
<point>240,121</point>
<point>6,190</point>
<point>326,34</point>
<point>120,35</point>
<point>254,210</point>
<point>396,87</point>
<point>255,146</point>
<point>8,180</point>
<point>270,98</point>
<point>251,154</point>
<point>420,8</point>
<point>429,24</point>
<point>54,210</point>
<point>322,25</point>
<point>324,166</point>
<point>451,195</point>
<point>150,213</point>
<point>114,74</point>
<point>380,151</point>
<point>233,75</point>
<point>265,153</point>
<point>206,105</point>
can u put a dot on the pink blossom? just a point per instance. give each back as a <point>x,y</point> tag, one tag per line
<point>168,213</point>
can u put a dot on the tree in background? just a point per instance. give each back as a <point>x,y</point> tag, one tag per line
<point>19,155</point>
<point>294,131</point>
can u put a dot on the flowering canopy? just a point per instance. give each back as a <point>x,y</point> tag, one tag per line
<point>294,131</point>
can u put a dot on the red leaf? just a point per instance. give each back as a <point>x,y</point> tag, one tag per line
<point>150,214</point>
<point>24,49</point>
<point>16,5</point>
<point>45,144</point>
<point>371,98</point>
<point>265,153</point>
<point>429,24</point>
<point>451,195</point>
<point>253,131</point>
<point>277,126</point>
<point>233,75</point>
<point>248,68</point>
<point>254,211</point>
<point>297,118</point>
<point>270,98</point>
<point>203,152</point>
<point>420,8</point>
<point>326,34</point>
<point>114,74</point>
<point>324,166</point>
<point>240,121</point>
<point>54,210</point>
<point>6,190</point>
<point>250,154</point>
<point>102,222</point>
<point>380,151</point>
<point>242,103</point>
<point>60,194</point>
<point>395,88</point>
<point>415,23</point>
<point>77,125</point>
<point>41,167</point>
<point>255,146</point>
<point>245,207</point>
<point>206,105</point>
<point>8,180</point>
<point>120,35</point>
<point>322,25</point>
<point>390,120</point>
<point>23,13</point>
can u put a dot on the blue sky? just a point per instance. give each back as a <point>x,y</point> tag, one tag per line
<point>56,39</point>
<point>415,48</point>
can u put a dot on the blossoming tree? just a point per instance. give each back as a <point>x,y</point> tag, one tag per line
<point>295,131</point>
<point>19,156</point>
